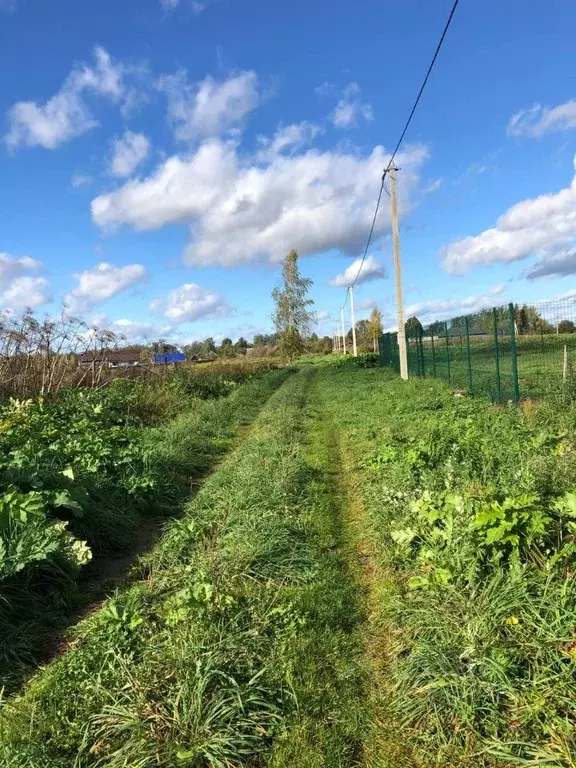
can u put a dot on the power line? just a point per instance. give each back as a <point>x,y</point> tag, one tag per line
<point>424,82</point>
<point>403,134</point>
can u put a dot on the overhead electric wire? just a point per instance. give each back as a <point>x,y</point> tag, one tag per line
<point>401,139</point>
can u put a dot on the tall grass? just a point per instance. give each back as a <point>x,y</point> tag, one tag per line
<point>112,473</point>
<point>470,509</point>
<point>238,648</point>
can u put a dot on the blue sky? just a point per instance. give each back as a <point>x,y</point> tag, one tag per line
<point>159,158</point>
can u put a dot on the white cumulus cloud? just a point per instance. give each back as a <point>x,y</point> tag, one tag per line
<point>210,107</point>
<point>101,283</point>
<point>21,286</point>
<point>127,152</point>
<point>371,269</point>
<point>536,226</point>
<point>444,309</point>
<point>67,114</point>
<point>26,292</point>
<point>558,264</point>
<point>539,120</point>
<point>242,210</point>
<point>12,267</point>
<point>190,302</point>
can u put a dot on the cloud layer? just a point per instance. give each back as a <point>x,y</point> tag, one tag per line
<point>242,209</point>
<point>100,284</point>
<point>539,226</point>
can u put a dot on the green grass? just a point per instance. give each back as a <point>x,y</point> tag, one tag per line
<point>469,510</point>
<point>239,647</point>
<point>540,362</point>
<point>160,464</point>
<point>381,575</point>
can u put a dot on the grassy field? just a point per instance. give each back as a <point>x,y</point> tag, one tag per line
<point>380,575</point>
<point>467,524</point>
<point>83,474</point>
<point>540,364</point>
<point>239,645</point>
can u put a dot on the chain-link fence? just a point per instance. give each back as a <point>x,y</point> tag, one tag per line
<point>506,353</point>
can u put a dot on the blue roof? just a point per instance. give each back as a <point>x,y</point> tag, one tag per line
<point>171,357</point>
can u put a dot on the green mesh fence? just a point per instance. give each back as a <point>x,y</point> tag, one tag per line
<point>506,353</point>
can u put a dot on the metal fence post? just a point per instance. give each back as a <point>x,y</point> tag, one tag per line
<point>433,355</point>
<point>514,355</point>
<point>447,352</point>
<point>381,352</point>
<point>468,358</point>
<point>497,356</point>
<point>420,335</point>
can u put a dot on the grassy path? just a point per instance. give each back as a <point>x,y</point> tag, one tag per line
<point>240,647</point>
<point>329,726</point>
<point>383,745</point>
<point>274,624</point>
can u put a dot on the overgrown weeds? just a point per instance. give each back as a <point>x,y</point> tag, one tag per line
<point>238,648</point>
<point>77,476</point>
<point>474,510</point>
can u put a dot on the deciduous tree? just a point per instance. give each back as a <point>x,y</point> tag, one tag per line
<point>292,317</point>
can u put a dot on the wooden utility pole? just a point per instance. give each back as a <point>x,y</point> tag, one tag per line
<point>354,347</point>
<point>398,276</point>
<point>343,330</point>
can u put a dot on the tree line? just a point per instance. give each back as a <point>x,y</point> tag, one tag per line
<point>528,321</point>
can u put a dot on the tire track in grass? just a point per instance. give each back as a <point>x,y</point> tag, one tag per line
<point>326,730</point>
<point>241,649</point>
<point>383,745</point>
<point>362,410</point>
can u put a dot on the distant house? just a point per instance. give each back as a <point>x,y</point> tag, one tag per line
<point>112,358</point>
<point>261,351</point>
<point>169,358</point>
